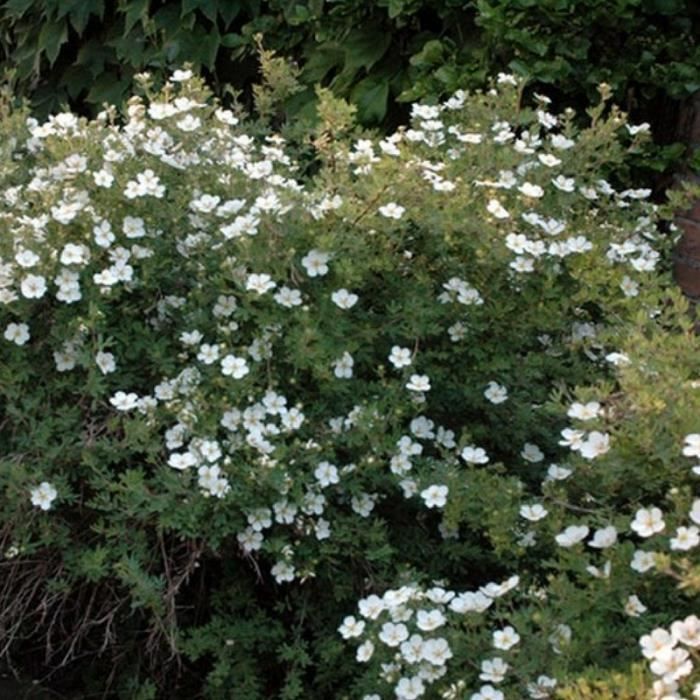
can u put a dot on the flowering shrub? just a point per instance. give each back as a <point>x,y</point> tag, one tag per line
<point>434,377</point>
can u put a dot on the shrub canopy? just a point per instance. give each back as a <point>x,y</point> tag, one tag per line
<point>406,417</point>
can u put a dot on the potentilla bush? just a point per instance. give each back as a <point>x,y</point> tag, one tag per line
<point>242,392</point>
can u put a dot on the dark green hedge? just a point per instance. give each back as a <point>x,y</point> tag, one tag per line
<point>377,52</point>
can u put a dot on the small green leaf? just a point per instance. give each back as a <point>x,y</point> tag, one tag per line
<point>233,41</point>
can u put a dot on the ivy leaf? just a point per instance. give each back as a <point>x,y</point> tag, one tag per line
<point>51,37</point>
<point>136,11</point>
<point>229,11</point>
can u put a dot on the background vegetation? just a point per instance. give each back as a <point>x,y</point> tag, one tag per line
<point>379,54</point>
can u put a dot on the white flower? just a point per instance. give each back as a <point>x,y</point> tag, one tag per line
<point>530,190</point>
<point>236,367</point>
<point>189,123</point>
<point>495,208</point>
<point>643,561</point>
<point>603,573</point>
<point>572,438</point>
<point>123,401</point>
<point>557,473</point>
<point>572,535</point>
<point>344,299</point>
<point>288,298</point>
<point>260,283</point>
<point>531,453</point>
<point>474,455</point>
<point>506,638</point>
<point>565,184</point>
<point>33,287</point>
<point>687,631</point>
<point>65,358</point>
<point>560,637</point>
<point>17,333</point>
<point>686,538</point>
<point>435,496</point>
<point>533,512</point>
<point>371,607</point>
<point>283,572</point>
<point>409,688</point>
<point>181,76</point>
<point>634,607</point>
<point>617,358</point>
<point>351,627</point>
<point>250,540</point>
<point>365,651</point>
<point>393,634</point>
<point>604,538</point>
<point>182,460</point>
<point>648,522</point>
<point>595,445</point>
<point>26,258</point>
<point>437,651</point>
<point>671,664</point>
<point>400,357</point>
<point>106,362</point>
<point>629,287</point>
<point>657,641</point>
<point>418,382</point>
<point>584,411</point>
<point>315,263</point>
<point>342,367</point>
<point>326,474</point>
<point>695,511</point>
<point>496,393</point>
<point>392,210</point>
<point>422,428</point>
<point>692,445</point>
<point>43,495</point>
<point>208,354</point>
<point>429,620</point>
<point>488,692</point>
<point>134,227</point>
<point>493,670</point>
<point>412,649</point>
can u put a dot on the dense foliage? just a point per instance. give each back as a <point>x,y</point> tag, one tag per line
<point>86,52</point>
<point>417,421</point>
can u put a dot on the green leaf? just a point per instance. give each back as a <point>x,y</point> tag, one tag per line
<point>207,7</point>
<point>93,55</point>
<point>137,10</point>
<point>79,11</point>
<point>229,11</point>
<point>16,8</point>
<point>233,41</point>
<point>108,88</point>
<point>321,60</point>
<point>364,47</point>
<point>370,95</point>
<point>432,53</point>
<point>51,37</point>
